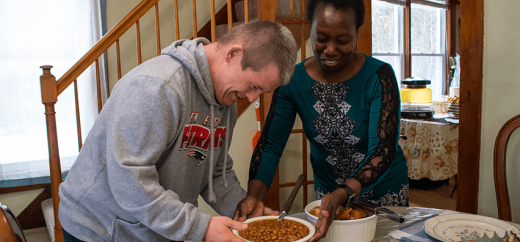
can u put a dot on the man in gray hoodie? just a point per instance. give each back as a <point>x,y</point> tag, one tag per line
<point>162,140</point>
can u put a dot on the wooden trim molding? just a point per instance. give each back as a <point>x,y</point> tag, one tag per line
<point>472,48</point>
<point>5,190</point>
<point>364,42</point>
<point>407,40</point>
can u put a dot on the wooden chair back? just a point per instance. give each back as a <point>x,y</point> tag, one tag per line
<point>10,230</point>
<point>499,167</point>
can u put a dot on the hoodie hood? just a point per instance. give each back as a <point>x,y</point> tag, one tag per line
<point>192,55</point>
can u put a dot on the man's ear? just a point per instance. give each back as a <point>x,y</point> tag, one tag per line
<point>234,52</point>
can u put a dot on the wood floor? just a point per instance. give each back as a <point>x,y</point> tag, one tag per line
<point>435,197</point>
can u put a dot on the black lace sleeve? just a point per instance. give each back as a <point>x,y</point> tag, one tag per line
<point>256,159</point>
<point>378,163</point>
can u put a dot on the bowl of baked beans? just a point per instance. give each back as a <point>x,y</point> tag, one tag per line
<point>351,224</point>
<point>269,229</point>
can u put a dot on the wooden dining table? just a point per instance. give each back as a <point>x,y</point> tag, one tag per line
<point>415,217</point>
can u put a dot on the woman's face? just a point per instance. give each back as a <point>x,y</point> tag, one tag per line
<point>334,36</point>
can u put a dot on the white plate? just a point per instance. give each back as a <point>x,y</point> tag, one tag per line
<point>453,227</point>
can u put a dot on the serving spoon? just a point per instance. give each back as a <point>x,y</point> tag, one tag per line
<point>290,200</point>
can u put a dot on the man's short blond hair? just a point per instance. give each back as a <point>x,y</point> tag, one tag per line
<point>265,42</point>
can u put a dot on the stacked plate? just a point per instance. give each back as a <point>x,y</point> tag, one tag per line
<point>453,109</point>
<point>454,227</point>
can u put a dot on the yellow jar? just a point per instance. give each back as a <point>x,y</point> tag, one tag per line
<point>416,98</point>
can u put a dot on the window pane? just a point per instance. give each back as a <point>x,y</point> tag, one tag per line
<point>27,44</point>
<point>395,62</point>
<point>431,68</point>
<point>386,27</point>
<point>427,29</point>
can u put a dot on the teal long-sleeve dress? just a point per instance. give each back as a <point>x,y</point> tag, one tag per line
<point>352,127</point>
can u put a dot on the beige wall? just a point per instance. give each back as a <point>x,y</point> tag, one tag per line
<point>118,9</point>
<point>500,99</point>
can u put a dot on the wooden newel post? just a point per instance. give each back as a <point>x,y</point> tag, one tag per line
<point>49,98</point>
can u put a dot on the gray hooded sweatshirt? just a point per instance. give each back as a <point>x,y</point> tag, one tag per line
<point>150,155</point>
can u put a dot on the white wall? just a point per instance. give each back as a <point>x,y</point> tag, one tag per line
<point>500,99</point>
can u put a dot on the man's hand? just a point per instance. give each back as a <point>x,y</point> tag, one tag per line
<point>251,207</point>
<point>219,229</point>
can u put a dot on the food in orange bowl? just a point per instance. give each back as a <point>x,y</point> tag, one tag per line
<point>352,230</point>
<point>267,228</point>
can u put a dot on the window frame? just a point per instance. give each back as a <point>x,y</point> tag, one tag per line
<point>406,60</point>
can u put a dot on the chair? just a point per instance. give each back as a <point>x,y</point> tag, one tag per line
<point>499,167</point>
<point>10,230</point>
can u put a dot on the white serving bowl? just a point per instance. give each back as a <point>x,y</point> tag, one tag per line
<point>358,230</point>
<point>309,225</point>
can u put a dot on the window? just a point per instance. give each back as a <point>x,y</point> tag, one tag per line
<point>428,43</point>
<point>427,39</point>
<point>35,33</point>
<point>387,35</point>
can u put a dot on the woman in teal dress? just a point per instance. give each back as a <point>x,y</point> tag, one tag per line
<point>350,110</point>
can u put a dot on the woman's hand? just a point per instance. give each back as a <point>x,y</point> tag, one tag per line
<point>329,205</point>
<point>219,229</point>
<point>251,207</point>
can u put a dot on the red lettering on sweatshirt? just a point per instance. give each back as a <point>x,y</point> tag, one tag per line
<point>220,136</point>
<point>206,121</point>
<point>193,117</point>
<point>198,136</point>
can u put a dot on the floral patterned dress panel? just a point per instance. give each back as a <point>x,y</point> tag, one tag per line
<point>335,128</point>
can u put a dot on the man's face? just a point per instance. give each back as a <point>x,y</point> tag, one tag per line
<point>246,83</point>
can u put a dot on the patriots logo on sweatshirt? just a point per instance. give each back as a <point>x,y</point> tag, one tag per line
<point>197,156</point>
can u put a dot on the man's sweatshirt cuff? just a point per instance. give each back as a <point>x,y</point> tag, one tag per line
<point>199,227</point>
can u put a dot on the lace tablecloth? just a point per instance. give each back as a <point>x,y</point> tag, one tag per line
<point>431,148</point>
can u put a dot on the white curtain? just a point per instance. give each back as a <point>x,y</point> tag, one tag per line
<point>36,33</point>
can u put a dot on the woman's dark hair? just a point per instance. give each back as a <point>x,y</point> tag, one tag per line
<point>357,5</point>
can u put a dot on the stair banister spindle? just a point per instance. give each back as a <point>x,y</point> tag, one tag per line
<point>177,31</point>
<point>213,23</point>
<point>78,116</point>
<point>49,98</point>
<point>118,57</point>
<point>302,29</point>
<point>246,10</point>
<point>230,14</point>
<point>195,29</point>
<point>138,33</point>
<point>98,85</point>
<point>157,30</point>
